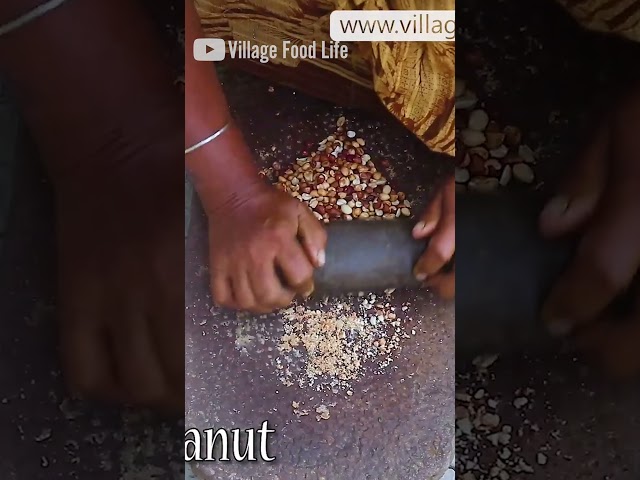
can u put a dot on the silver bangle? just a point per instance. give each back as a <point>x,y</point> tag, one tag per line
<point>30,16</point>
<point>208,139</point>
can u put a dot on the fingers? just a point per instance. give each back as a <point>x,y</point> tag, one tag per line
<point>577,200</point>
<point>242,291</point>
<point>441,247</point>
<point>312,236</point>
<point>269,292</point>
<point>444,284</point>
<point>607,259</point>
<point>297,270</point>
<point>88,363</point>
<point>430,218</point>
<point>221,284</point>
<point>137,360</point>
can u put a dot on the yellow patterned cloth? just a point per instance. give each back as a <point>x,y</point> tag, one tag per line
<point>414,80</point>
<point>620,17</point>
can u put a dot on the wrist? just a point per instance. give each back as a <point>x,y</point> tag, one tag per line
<point>224,174</point>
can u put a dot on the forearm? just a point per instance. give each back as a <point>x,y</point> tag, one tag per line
<point>86,73</point>
<point>223,169</point>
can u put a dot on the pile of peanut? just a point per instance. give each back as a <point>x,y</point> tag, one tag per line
<point>488,156</point>
<point>340,181</point>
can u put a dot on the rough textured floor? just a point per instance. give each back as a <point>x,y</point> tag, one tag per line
<point>45,434</point>
<point>534,68</point>
<point>395,425</point>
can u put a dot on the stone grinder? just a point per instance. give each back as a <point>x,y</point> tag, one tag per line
<point>503,267</point>
<point>396,425</point>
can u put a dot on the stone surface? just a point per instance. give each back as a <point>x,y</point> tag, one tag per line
<point>398,425</point>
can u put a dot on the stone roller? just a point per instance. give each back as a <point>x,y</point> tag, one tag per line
<point>504,268</point>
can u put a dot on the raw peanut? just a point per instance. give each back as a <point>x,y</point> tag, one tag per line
<point>505,178</point>
<point>466,101</point>
<point>406,212</point>
<point>500,152</point>
<point>384,196</point>
<point>476,167</point>
<point>317,215</point>
<point>523,173</point>
<point>346,209</point>
<point>386,189</point>
<point>493,166</point>
<point>472,138</point>
<point>379,213</point>
<point>321,209</point>
<point>377,176</point>
<point>479,151</point>
<point>526,154</point>
<point>483,184</point>
<point>478,120</point>
<point>494,139</point>
<point>462,175</point>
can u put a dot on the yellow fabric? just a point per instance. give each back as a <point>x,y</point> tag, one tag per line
<point>414,81</point>
<point>620,17</point>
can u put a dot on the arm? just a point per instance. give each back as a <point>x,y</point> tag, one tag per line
<point>84,73</point>
<point>222,171</point>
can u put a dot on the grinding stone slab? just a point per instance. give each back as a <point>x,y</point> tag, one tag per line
<point>398,425</point>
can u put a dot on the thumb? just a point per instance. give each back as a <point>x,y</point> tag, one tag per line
<point>313,236</point>
<point>578,198</point>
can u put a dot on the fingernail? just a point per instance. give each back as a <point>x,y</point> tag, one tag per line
<point>308,294</point>
<point>557,206</point>
<point>421,277</point>
<point>559,327</point>
<point>320,257</point>
<point>420,226</point>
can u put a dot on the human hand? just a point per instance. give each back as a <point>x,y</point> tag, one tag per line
<point>438,222</point>
<point>120,227</point>
<point>263,250</point>
<point>602,202</point>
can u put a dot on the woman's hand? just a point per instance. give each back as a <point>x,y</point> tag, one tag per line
<point>602,201</point>
<point>263,248</point>
<point>120,227</point>
<point>439,223</point>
